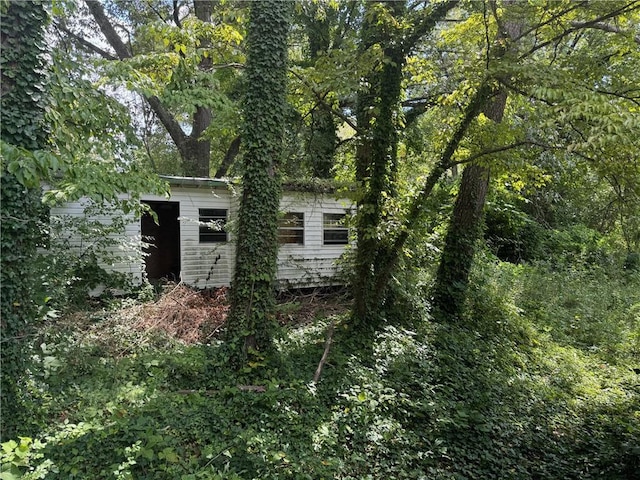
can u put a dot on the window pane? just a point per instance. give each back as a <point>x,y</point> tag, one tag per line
<point>334,230</point>
<point>214,232</point>
<point>291,228</point>
<point>291,219</point>
<point>331,220</point>
<point>336,237</point>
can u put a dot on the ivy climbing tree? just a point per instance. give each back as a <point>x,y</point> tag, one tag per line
<point>392,27</point>
<point>21,125</point>
<point>252,295</point>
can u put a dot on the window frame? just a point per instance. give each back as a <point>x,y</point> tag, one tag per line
<point>205,233</point>
<point>334,228</point>
<point>291,231</point>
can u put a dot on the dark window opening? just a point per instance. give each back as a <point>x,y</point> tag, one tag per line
<point>334,230</point>
<point>212,224</point>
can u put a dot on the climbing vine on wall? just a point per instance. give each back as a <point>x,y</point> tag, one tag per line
<point>21,125</point>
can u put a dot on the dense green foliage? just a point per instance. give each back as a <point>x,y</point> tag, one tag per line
<point>21,125</point>
<point>534,383</point>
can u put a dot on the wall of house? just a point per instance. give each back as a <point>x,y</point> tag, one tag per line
<point>313,263</point>
<point>203,264</point>
<point>122,250</point>
<point>211,264</point>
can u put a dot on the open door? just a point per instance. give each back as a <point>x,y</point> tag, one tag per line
<point>162,261</point>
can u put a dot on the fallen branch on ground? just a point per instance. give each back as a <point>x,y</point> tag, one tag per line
<point>325,354</point>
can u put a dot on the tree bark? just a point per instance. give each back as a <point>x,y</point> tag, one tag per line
<point>229,157</point>
<point>465,228</point>
<point>464,231</point>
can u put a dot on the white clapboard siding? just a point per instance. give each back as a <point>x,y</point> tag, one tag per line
<point>211,264</point>
<point>125,249</point>
<point>311,264</point>
<point>202,264</point>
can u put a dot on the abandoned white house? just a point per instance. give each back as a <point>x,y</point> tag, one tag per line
<point>193,238</point>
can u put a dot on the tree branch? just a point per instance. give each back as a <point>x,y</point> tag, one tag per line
<point>229,157</point>
<point>504,148</point>
<point>85,43</point>
<point>325,354</point>
<point>166,118</point>
<point>589,24</point>
<point>606,27</point>
<point>426,23</point>
<point>321,98</point>
<point>107,29</point>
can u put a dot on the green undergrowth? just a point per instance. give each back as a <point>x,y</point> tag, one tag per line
<point>538,382</point>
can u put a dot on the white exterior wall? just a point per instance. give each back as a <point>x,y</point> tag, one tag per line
<point>126,247</point>
<point>311,264</point>
<point>211,264</point>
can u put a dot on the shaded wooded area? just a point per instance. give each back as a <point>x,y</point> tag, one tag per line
<point>492,312</point>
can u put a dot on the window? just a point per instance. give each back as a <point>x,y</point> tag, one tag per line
<point>212,223</point>
<point>334,231</point>
<point>291,228</point>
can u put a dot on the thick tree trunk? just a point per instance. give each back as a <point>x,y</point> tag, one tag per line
<point>465,229</point>
<point>21,124</point>
<point>377,112</point>
<point>321,142</point>
<point>196,154</point>
<point>250,320</point>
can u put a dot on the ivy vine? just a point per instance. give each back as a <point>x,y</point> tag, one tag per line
<point>252,301</point>
<point>21,125</point>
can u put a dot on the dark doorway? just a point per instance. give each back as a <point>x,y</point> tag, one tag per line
<point>163,255</point>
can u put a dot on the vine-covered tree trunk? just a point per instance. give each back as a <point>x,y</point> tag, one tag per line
<point>21,124</point>
<point>378,118</point>
<point>377,114</point>
<point>250,321</point>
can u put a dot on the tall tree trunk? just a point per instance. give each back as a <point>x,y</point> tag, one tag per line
<point>465,228</point>
<point>250,320</point>
<point>21,124</point>
<point>377,112</point>
<point>464,231</point>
